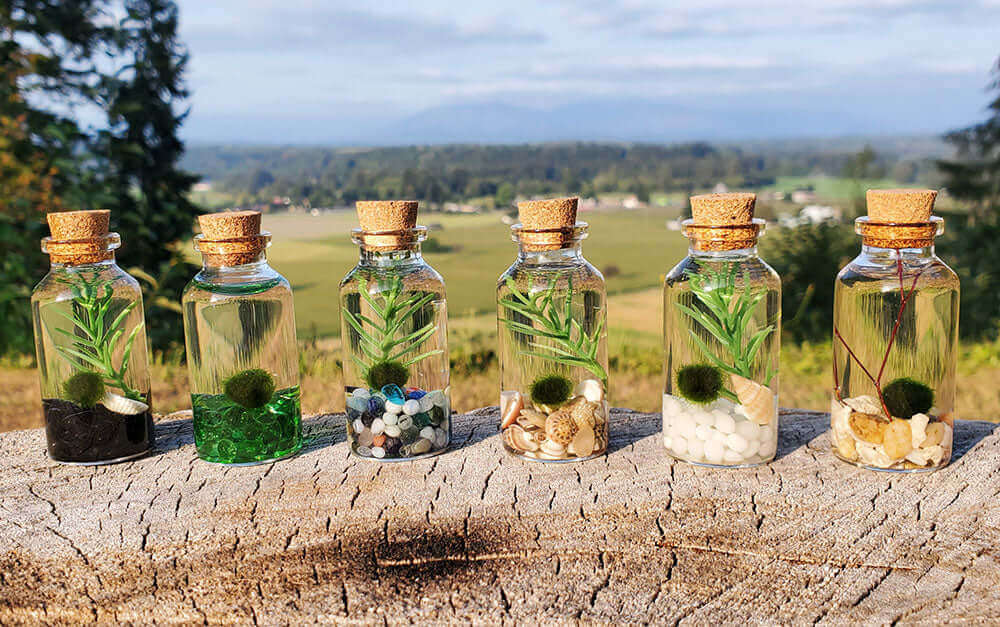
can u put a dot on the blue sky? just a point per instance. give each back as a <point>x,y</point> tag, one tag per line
<point>276,71</point>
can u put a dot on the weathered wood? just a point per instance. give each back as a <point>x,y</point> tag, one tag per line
<point>475,534</point>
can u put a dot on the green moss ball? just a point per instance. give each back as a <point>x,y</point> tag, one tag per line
<point>551,389</point>
<point>699,383</point>
<point>251,388</point>
<point>85,389</point>
<point>905,397</point>
<point>387,373</point>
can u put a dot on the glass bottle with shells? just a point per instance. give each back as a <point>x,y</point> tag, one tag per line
<point>721,336</point>
<point>895,340</point>
<point>394,321</point>
<point>552,322</point>
<point>242,357</point>
<point>90,341</point>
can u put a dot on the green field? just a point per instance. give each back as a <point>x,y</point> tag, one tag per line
<point>314,253</point>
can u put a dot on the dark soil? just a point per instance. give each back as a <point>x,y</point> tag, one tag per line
<point>79,434</point>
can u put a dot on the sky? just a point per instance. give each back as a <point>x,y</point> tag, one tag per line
<point>325,71</point>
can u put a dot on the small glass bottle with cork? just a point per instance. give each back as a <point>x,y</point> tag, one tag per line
<point>895,340</point>
<point>90,341</point>
<point>552,325</point>
<point>394,323</point>
<point>242,356</point>
<point>721,339</point>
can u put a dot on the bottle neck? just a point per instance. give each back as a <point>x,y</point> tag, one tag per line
<point>885,255</point>
<point>572,252</point>
<point>72,267</point>
<point>738,253</point>
<point>383,258</point>
<point>217,264</point>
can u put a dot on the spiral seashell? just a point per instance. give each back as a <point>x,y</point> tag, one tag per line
<point>519,440</point>
<point>561,428</point>
<point>757,400</point>
<point>535,418</point>
<point>511,405</point>
<point>121,405</point>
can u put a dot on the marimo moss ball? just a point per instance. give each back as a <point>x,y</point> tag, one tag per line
<point>905,397</point>
<point>84,388</point>
<point>700,383</point>
<point>250,388</point>
<point>551,389</point>
<point>386,373</point>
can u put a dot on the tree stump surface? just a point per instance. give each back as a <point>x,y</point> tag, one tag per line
<point>475,534</point>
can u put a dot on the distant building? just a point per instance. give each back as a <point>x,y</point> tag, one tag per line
<point>815,214</point>
<point>803,196</point>
<point>720,188</point>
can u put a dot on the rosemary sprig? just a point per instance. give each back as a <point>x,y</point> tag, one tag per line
<point>727,316</point>
<point>570,346</point>
<point>380,344</point>
<point>92,342</point>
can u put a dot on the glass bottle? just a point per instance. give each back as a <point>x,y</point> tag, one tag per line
<point>242,357</point>
<point>552,326</point>
<point>895,340</point>
<point>721,337</point>
<point>90,341</point>
<point>394,324</point>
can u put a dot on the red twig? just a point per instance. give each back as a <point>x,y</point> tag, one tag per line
<point>904,298</point>
<point>878,388</point>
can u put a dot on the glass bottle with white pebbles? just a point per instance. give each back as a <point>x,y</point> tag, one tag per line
<point>721,330</point>
<point>394,322</point>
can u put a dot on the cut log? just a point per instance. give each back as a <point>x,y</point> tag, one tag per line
<point>477,535</point>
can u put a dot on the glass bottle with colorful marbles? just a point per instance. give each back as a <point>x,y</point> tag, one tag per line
<point>394,328</point>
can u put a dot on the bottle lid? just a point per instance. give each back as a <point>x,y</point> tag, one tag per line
<point>547,224</point>
<point>900,218</point>
<point>387,225</point>
<point>80,237</point>
<point>231,238</point>
<point>722,222</point>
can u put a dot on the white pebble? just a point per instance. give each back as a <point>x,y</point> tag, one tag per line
<point>685,426</point>
<point>358,426</point>
<point>768,447</point>
<point>441,437</point>
<point>411,407</point>
<point>427,433</point>
<point>378,451</point>
<point>667,442</point>
<point>703,433</point>
<point>714,452</point>
<point>680,446</point>
<point>393,408</point>
<point>390,419</point>
<point>736,443</point>
<point>752,447</point>
<point>378,426</point>
<point>404,422</point>
<point>703,417</point>
<point>718,436</point>
<point>426,402</point>
<point>724,422</point>
<point>748,430</point>
<point>392,431</point>
<point>363,451</point>
<point>732,457</point>
<point>696,450</point>
<point>361,393</point>
<point>670,405</point>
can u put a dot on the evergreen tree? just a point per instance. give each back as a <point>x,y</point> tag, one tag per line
<point>974,176</point>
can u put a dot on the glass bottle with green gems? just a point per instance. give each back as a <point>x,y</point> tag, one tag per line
<point>552,325</point>
<point>895,340</point>
<point>239,328</point>
<point>394,321</point>
<point>90,340</point>
<point>721,340</point>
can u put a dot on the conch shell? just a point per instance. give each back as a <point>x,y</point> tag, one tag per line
<point>757,400</point>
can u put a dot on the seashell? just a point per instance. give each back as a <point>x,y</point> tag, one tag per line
<point>583,442</point>
<point>552,450</point>
<point>583,414</point>
<point>511,404</point>
<point>561,428</point>
<point>533,417</point>
<point>757,400</point>
<point>121,405</point>
<point>865,405</point>
<point>518,439</point>
<point>591,389</point>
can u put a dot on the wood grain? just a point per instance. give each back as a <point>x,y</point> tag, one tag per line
<point>476,535</point>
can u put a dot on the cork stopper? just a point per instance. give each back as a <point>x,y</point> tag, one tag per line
<point>547,224</point>
<point>80,237</point>
<point>387,225</point>
<point>722,222</point>
<point>231,238</point>
<point>899,218</point>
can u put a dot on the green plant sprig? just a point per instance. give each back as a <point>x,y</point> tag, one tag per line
<point>381,345</point>
<point>557,324</point>
<point>92,300</point>
<point>731,312</point>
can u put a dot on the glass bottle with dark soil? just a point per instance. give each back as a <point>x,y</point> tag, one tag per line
<point>394,321</point>
<point>721,340</point>
<point>90,341</point>
<point>552,326</point>
<point>895,340</point>
<point>239,327</point>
